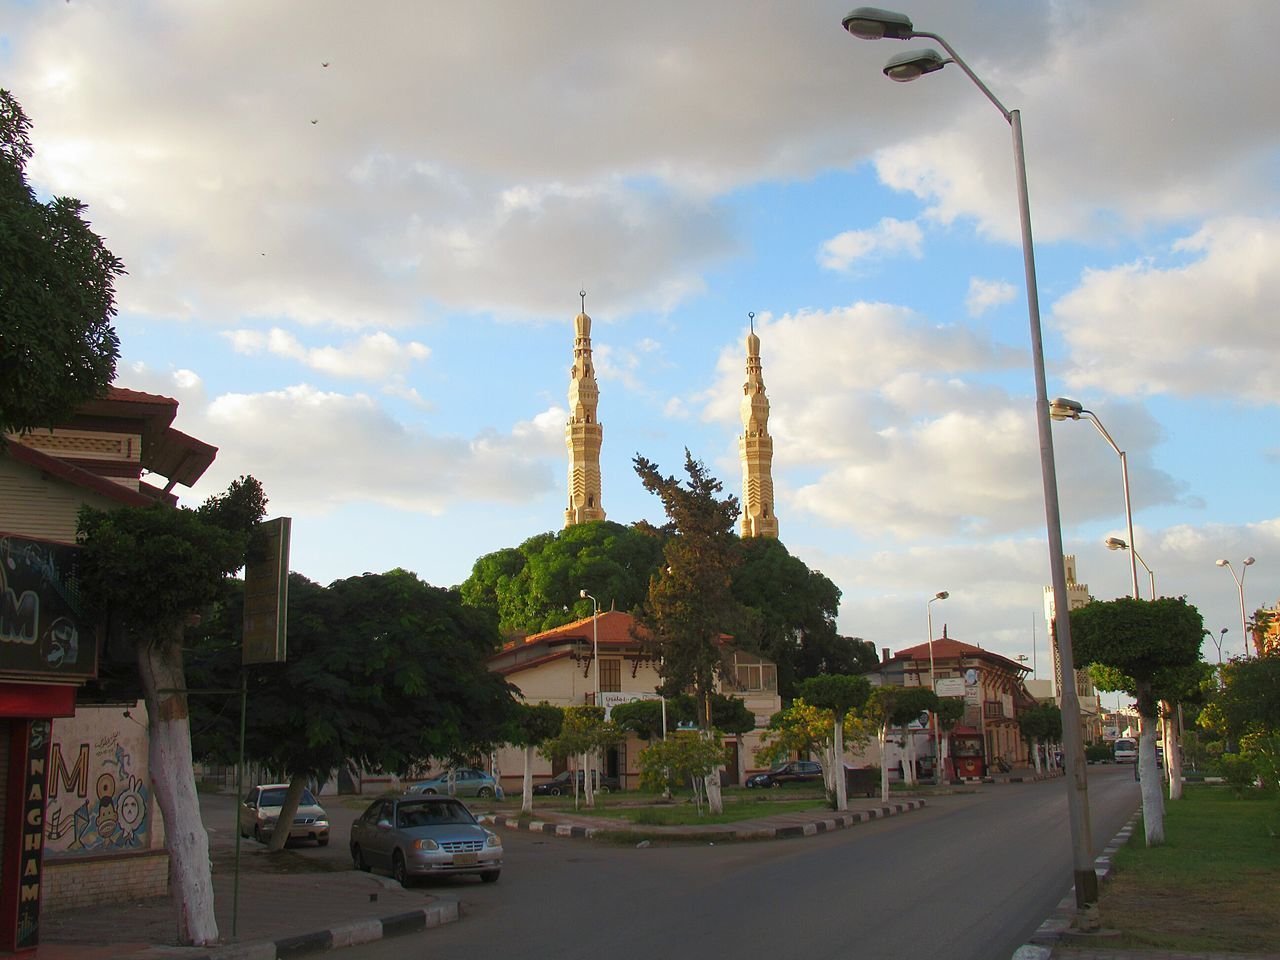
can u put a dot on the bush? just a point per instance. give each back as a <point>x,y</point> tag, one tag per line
<point>1098,752</point>
<point>1238,772</point>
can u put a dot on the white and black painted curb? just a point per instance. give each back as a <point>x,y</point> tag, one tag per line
<point>1058,923</point>
<point>350,934</point>
<point>839,821</point>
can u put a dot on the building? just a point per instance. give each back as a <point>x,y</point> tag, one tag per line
<point>1266,631</point>
<point>80,824</point>
<point>755,449</point>
<point>1090,705</point>
<point>559,667</point>
<point>583,433</point>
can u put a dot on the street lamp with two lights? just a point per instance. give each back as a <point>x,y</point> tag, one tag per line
<point>1245,564</point>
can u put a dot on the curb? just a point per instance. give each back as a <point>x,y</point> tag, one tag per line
<point>1058,924</point>
<point>811,829</point>
<point>444,910</point>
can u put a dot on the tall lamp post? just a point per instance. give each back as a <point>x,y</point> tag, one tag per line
<point>595,639</point>
<point>1244,568</point>
<point>933,685</point>
<point>1115,543</point>
<point>871,23</point>
<point>1064,409</point>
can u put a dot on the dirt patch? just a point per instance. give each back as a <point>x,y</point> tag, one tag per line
<point>1243,918</point>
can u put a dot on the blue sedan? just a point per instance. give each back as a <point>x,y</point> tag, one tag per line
<point>418,836</point>
<point>466,783</point>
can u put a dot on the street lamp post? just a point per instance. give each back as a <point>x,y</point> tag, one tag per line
<point>933,685</point>
<point>595,639</point>
<point>871,23</point>
<point>1064,409</point>
<point>1115,543</point>
<point>1244,568</point>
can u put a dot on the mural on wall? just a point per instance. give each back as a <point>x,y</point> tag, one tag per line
<point>43,628</point>
<point>99,801</point>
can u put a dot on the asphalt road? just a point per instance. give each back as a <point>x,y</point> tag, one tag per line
<point>967,878</point>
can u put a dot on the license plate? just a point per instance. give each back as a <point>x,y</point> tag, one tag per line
<point>465,859</point>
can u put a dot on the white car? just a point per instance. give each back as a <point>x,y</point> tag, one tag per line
<point>261,809</point>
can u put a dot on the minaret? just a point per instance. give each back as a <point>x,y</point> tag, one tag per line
<point>583,433</point>
<point>1077,596</point>
<point>755,448</point>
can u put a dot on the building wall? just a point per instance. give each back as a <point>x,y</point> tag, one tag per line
<point>72,885</point>
<point>33,507</point>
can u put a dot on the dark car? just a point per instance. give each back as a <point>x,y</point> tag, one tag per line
<point>561,784</point>
<point>794,771</point>
<point>418,835</point>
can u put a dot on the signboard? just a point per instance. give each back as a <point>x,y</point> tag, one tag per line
<point>27,929</point>
<point>949,687</point>
<point>612,698</point>
<point>971,677</point>
<point>45,633</point>
<point>266,593</point>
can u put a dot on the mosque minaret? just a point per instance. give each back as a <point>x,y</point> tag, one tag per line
<point>583,433</point>
<point>755,449</point>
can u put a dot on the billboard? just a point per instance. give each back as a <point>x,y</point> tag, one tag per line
<point>266,593</point>
<point>45,633</point>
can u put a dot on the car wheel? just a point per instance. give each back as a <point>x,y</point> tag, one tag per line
<point>485,793</point>
<point>775,784</point>
<point>554,791</point>
<point>357,858</point>
<point>257,833</point>
<point>491,876</point>
<point>400,872</point>
<point>602,789</point>
<point>323,842</point>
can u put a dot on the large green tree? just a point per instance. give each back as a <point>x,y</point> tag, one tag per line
<point>154,571</point>
<point>841,694</point>
<point>1145,647</point>
<point>1246,710</point>
<point>57,295</point>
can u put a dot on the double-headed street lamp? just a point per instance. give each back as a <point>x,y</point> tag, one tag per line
<point>1064,409</point>
<point>933,685</point>
<point>872,23</point>
<point>1115,543</point>
<point>1245,564</point>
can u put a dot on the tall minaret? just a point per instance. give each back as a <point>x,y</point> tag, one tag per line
<point>755,448</point>
<point>583,433</point>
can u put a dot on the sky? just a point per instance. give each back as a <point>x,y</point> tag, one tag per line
<point>355,237</point>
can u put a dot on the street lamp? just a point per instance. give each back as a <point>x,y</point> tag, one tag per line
<point>1064,409</point>
<point>933,685</point>
<point>1115,543</point>
<point>1244,568</point>
<point>595,638</point>
<point>871,23</point>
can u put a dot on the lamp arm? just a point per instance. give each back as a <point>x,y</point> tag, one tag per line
<point>1004,111</point>
<point>1093,418</point>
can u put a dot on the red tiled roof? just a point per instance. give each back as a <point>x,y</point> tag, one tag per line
<point>949,648</point>
<point>73,474</point>
<point>614,627</point>
<point>126,395</point>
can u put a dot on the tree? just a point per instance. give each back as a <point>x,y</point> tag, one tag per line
<point>949,713</point>
<point>641,717</point>
<point>891,706</point>
<point>1247,711</point>
<point>154,570</point>
<point>583,732</point>
<point>690,605</point>
<point>58,349</point>
<point>1145,644</point>
<point>685,756</point>
<point>840,694</point>
<point>1039,725</point>
<point>532,726</point>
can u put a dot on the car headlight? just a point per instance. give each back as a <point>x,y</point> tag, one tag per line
<point>426,844</point>
<point>491,839</point>
<point>323,823</point>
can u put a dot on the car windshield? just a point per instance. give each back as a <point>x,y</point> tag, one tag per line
<point>275,798</point>
<point>431,814</point>
<point>1125,745</point>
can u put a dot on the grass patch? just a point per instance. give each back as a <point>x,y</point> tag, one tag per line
<point>1213,886</point>
<point>685,814</point>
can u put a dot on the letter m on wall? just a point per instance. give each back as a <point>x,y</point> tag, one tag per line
<point>76,780</point>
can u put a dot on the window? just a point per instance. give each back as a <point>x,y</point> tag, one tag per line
<point>993,708</point>
<point>610,675</point>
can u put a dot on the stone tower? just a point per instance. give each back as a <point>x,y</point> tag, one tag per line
<point>1077,596</point>
<point>583,433</point>
<point>755,449</point>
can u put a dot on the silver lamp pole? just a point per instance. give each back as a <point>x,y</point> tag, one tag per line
<point>1245,564</point>
<point>933,685</point>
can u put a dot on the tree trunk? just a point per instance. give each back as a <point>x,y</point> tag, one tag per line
<point>742,762</point>
<point>280,835</point>
<point>1152,788</point>
<point>526,787</point>
<point>946,755</point>
<point>908,757</point>
<point>1035,755</point>
<point>842,796</point>
<point>169,729</point>
<point>884,763</point>
<point>1173,756</point>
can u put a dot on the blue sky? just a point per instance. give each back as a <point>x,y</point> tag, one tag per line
<point>360,278</point>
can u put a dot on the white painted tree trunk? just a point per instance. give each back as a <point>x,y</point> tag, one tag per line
<point>884,764</point>
<point>946,755</point>
<point>1035,756</point>
<point>908,757</point>
<point>837,768</point>
<point>1152,787</point>
<point>526,786</point>
<point>742,762</point>
<point>169,728</point>
<point>588,788</point>
<point>1173,755</point>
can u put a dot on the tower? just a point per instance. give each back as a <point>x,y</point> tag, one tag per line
<point>1077,596</point>
<point>755,448</point>
<point>583,433</point>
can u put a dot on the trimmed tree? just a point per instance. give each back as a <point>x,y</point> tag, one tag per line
<point>950,711</point>
<point>1039,725</point>
<point>153,571</point>
<point>889,707</point>
<point>1143,646</point>
<point>686,756</point>
<point>531,727</point>
<point>840,694</point>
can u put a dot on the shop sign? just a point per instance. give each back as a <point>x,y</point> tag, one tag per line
<point>44,630</point>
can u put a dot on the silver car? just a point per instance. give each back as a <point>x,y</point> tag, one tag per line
<point>261,809</point>
<point>419,836</point>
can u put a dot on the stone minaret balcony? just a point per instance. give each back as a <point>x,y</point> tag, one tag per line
<point>755,449</point>
<point>583,433</point>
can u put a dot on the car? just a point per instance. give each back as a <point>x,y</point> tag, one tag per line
<point>467,782</point>
<point>793,771</point>
<point>561,784</point>
<point>419,835</point>
<point>261,809</point>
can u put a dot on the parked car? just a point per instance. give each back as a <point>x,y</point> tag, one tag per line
<point>467,782</point>
<point>561,784</point>
<point>418,835</point>
<point>793,771</point>
<point>261,809</point>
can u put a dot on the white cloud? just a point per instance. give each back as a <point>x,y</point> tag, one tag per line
<point>1198,328</point>
<point>887,238</point>
<point>373,357</point>
<point>985,294</point>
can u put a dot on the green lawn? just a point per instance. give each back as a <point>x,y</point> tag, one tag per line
<point>1213,886</point>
